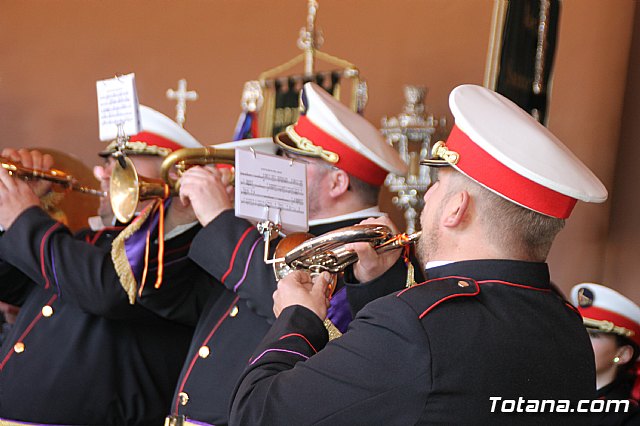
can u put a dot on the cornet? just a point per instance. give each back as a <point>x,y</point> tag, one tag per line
<point>327,252</point>
<point>58,177</point>
<point>127,188</point>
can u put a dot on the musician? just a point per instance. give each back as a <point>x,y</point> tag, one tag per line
<point>347,161</point>
<point>613,323</point>
<point>486,324</point>
<point>79,352</point>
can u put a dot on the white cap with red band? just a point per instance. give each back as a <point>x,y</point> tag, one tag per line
<point>329,130</point>
<point>159,135</point>
<point>500,146</point>
<point>604,309</point>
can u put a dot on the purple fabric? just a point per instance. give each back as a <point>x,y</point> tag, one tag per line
<point>27,423</point>
<point>246,126</point>
<point>339,312</point>
<point>53,267</point>
<point>135,245</point>
<point>246,266</point>
<point>195,422</point>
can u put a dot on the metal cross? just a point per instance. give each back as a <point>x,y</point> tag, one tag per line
<point>181,96</point>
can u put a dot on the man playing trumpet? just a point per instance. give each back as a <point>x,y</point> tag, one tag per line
<point>347,161</point>
<point>79,352</point>
<point>486,330</point>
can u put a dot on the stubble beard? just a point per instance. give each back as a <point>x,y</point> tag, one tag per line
<point>314,207</point>
<point>314,200</point>
<point>428,246</point>
<point>429,242</point>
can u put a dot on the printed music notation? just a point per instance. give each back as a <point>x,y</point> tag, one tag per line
<point>266,183</point>
<point>117,105</point>
<point>115,108</point>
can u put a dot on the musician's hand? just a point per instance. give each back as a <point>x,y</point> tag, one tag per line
<point>178,214</point>
<point>227,176</point>
<point>298,288</point>
<point>15,197</point>
<point>370,264</point>
<point>206,191</point>
<point>33,160</point>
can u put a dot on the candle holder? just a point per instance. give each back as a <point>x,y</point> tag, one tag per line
<point>410,133</point>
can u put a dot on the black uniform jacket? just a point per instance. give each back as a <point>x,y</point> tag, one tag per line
<point>620,390</point>
<point>79,353</point>
<point>236,315</point>
<point>435,353</point>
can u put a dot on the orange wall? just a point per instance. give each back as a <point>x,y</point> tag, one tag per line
<point>622,266</point>
<point>585,113</point>
<point>51,54</point>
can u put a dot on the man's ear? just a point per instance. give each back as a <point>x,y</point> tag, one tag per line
<point>455,208</point>
<point>339,183</point>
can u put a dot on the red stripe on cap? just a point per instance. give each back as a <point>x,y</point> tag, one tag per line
<point>485,169</point>
<point>155,140</point>
<point>350,161</point>
<point>600,314</point>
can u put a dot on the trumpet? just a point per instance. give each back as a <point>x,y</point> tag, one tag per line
<point>327,252</point>
<point>183,158</point>
<point>127,188</point>
<point>58,177</point>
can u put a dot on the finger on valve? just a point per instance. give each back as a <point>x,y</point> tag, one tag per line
<point>28,158</point>
<point>381,220</point>
<point>11,154</point>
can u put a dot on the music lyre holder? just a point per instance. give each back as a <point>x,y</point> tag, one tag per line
<point>121,145</point>
<point>269,231</point>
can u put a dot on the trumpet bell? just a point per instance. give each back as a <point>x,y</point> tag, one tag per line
<point>127,188</point>
<point>287,244</point>
<point>124,190</point>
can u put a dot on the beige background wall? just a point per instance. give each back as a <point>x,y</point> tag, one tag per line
<point>622,261</point>
<point>51,54</point>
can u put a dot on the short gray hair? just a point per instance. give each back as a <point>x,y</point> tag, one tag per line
<point>514,229</point>
<point>367,192</point>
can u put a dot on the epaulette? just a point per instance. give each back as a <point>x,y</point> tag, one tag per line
<point>425,296</point>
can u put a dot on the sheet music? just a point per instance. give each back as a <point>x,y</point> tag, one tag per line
<point>117,104</point>
<point>267,184</point>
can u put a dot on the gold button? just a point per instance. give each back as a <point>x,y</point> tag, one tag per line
<point>463,284</point>
<point>204,351</point>
<point>234,311</point>
<point>18,347</point>
<point>47,311</point>
<point>184,398</point>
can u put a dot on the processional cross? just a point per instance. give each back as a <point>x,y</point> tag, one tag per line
<point>181,96</point>
<point>310,38</point>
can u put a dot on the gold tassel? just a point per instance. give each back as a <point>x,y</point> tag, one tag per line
<point>411,281</point>
<point>119,255</point>
<point>334,333</point>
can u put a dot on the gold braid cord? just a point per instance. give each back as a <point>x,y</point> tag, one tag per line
<point>334,333</point>
<point>275,71</point>
<point>136,147</point>
<point>119,255</point>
